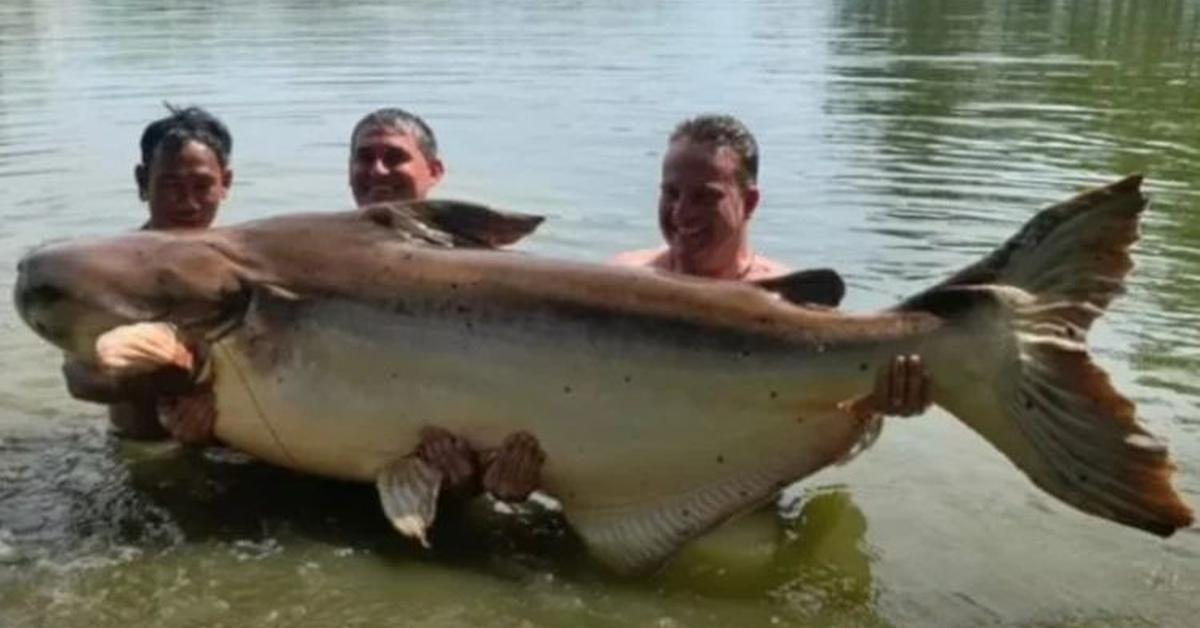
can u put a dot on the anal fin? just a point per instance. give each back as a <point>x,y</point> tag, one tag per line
<point>408,490</point>
<point>639,538</point>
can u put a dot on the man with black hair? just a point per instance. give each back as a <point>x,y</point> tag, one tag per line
<point>184,174</point>
<point>183,177</point>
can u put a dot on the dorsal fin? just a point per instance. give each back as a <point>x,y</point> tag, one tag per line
<point>453,223</point>
<point>817,286</point>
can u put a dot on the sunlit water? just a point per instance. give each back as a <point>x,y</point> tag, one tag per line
<point>900,141</point>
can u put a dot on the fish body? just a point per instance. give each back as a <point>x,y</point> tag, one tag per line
<point>626,405</point>
<point>664,405</point>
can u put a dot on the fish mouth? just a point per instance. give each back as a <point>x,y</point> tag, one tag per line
<point>72,294</point>
<point>73,322</point>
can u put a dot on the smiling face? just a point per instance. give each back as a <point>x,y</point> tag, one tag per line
<point>184,187</point>
<point>387,164</point>
<point>704,209</point>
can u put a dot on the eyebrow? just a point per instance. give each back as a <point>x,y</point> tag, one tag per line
<point>366,150</point>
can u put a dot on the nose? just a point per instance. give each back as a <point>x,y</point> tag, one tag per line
<point>372,166</point>
<point>684,213</point>
<point>185,198</point>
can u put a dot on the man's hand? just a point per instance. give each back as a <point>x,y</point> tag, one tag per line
<point>515,470</point>
<point>453,457</point>
<point>141,348</point>
<point>901,389</point>
<point>190,418</point>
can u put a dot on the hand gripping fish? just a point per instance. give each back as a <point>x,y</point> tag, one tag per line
<point>665,405</point>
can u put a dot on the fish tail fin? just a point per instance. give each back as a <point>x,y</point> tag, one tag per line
<point>1014,364</point>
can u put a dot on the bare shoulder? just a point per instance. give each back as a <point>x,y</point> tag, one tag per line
<point>765,268</point>
<point>644,258</point>
<point>137,420</point>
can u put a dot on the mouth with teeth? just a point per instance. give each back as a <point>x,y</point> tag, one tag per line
<point>692,235</point>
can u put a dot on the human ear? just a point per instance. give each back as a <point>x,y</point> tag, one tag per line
<point>140,177</point>
<point>750,198</point>
<point>437,169</point>
<point>226,181</point>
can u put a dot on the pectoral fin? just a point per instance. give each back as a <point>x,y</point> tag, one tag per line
<point>408,490</point>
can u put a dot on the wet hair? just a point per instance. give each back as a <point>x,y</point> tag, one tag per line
<point>191,124</point>
<point>723,130</point>
<point>402,121</point>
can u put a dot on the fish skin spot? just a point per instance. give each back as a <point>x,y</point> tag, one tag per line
<point>774,394</point>
<point>567,390</point>
<point>863,367</point>
<point>720,459</point>
<point>628,379</point>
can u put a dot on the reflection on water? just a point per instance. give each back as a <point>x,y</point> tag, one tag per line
<point>815,559</point>
<point>900,141</point>
<point>124,529</point>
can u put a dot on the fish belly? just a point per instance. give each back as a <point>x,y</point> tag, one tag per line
<point>341,388</point>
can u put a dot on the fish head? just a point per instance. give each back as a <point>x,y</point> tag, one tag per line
<point>70,293</point>
<point>203,280</point>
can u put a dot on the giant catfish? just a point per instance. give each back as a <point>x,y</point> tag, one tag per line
<point>665,404</point>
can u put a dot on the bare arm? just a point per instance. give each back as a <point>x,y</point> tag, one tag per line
<point>134,362</point>
<point>138,420</point>
<point>89,383</point>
